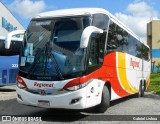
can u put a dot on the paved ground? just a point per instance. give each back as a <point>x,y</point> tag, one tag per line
<point>129,107</point>
<point>7,92</point>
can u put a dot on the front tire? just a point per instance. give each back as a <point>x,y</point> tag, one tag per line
<point>105,102</point>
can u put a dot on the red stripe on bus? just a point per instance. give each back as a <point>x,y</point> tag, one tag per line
<point>107,73</point>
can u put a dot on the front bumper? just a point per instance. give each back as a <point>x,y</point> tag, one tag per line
<point>86,98</point>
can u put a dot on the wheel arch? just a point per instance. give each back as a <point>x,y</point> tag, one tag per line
<point>108,85</point>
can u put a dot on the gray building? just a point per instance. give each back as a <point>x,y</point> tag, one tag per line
<point>8,22</point>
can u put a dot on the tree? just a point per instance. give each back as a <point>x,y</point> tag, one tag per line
<point>158,66</point>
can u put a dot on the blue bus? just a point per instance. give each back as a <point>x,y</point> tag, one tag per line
<point>9,61</point>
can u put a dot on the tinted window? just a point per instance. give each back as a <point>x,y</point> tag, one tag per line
<point>146,53</point>
<point>142,51</point>
<point>68,31</point>
<point>93,52</point>
<point>131,47</point>
<point>2,47</point>
<point>100,21</point>
<point>13,50</point>
<point>54,45</point>
<point>117,38</point>
<point>139,49</point>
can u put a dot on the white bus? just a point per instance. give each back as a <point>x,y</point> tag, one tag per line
<point>9,61</point>
<point>80,58</point>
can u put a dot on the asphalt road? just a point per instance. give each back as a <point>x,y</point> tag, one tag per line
<point>132,106</point>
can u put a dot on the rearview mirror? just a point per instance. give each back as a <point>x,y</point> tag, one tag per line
<point>10,35</point>
<point>86,35</point>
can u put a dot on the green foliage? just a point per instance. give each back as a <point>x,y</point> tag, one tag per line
<point>155,83</point>
<point>158,66</point>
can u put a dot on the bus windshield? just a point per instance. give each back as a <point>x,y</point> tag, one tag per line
<point>52,47</point>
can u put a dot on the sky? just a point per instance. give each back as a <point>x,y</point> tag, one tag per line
<point>135,14</point>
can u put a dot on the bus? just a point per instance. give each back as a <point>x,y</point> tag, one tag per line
<point>80,58</point>
<point>9,61</point>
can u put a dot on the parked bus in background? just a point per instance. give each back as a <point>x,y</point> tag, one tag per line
<point>9,61</point>
<point>80,58</point>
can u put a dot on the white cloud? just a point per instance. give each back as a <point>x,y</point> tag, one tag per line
<point>27,8</point>
<point>136,17</point>
<point>141,9</point>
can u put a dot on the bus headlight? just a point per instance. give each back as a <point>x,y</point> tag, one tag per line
<point>20,83</point>
<point>77,87</point>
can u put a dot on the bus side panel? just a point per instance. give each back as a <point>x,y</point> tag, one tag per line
<point>126,75</point>
<point>109,74</point>
<point>134,71</point>
<point>122,71</point>
<point>146,72</point>
<point>118,90</point>
<point>8,70</point>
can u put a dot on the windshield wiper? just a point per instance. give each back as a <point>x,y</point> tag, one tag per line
<point>49,53</point>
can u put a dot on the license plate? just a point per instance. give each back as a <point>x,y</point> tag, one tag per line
<point>43,103</point>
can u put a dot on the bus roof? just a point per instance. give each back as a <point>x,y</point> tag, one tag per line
<point>85,11</point>
<point>71,12</point>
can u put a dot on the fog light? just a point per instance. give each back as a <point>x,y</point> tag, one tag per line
<point>73,101</point>
<point>19,96</point>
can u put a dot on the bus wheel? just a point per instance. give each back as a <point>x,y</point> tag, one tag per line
<point>141,89</point>
<point>103,106</point>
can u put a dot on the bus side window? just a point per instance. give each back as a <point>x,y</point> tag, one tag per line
<point>111,34</point>
<point>100,21</point>
<point>93,52</point>
<point>132,44</point>
<point>146,53</point>
<point>117,38</point>
<point>96,50</point>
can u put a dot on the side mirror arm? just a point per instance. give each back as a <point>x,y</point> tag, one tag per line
<point>10,35</point>
<point>86,35</point>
